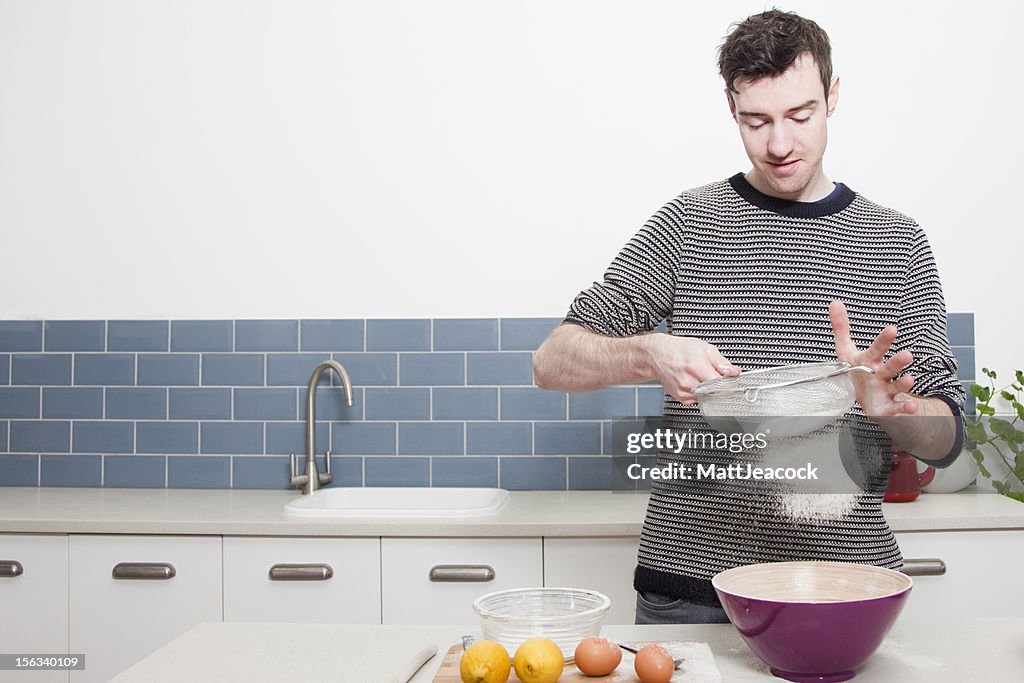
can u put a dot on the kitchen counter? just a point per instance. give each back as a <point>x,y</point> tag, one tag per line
<point>526,513</point>
<point>933,650</point>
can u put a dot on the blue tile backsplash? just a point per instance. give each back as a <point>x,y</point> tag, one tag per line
<point>166,369</point>
<point>466,335</point>
<point>267,335</point>
<point>398,335</point>
<point>21,335</point>
<point>102,436</point>
<point>221,404</point>
<point>41,368</point>
<point>499,368</point>
<point>332,335</point>
<point>137,335</point>
<point>18,402</point>
<point>76,335</point>
<point>133,403</point>
<point>102,369</point>
<point>202,335</point>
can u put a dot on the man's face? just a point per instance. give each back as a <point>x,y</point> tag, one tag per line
<point>782,121</point>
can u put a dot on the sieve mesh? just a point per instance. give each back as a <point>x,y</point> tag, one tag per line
<point>816,393</point>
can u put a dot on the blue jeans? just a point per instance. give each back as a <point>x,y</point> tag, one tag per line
<point>653,608</point>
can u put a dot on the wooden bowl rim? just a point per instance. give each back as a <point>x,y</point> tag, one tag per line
<point>907,582</point>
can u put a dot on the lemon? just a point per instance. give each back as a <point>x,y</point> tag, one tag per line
<point>485,661</point>
<point>539,660</point>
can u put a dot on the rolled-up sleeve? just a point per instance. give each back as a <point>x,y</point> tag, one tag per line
<point>922,329</point>
<point>638,287</point>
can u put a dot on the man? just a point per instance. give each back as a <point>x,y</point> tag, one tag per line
<point>775,266</point>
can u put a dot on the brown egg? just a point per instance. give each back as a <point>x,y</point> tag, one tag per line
<point>596,656</point>
<point>654,665</point>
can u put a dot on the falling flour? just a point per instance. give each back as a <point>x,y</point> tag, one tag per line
<point>815,507</point>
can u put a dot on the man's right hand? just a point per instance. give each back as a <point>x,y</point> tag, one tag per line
<point>681,363</point>
<point>576,359</point>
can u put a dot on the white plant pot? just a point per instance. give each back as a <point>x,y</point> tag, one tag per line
<point>960,474</point>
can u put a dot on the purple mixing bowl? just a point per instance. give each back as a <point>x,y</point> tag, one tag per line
<point>812,621</point>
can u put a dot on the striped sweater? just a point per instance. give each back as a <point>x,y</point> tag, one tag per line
<point>753,275</point>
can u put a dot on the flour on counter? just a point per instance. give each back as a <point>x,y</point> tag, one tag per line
<point>900,652</point>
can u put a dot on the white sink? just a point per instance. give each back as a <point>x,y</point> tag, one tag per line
<point>373,501</point>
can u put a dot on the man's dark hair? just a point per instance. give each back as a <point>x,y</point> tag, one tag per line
<point>767,44</point>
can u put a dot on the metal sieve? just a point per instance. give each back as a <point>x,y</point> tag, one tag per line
<point>779,402</point>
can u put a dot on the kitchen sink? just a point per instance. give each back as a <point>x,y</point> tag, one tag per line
<point>372,501</point>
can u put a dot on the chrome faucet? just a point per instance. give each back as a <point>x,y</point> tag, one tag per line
<point>313,479</point>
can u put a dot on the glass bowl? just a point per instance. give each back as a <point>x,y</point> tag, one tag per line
<point>565,615</point>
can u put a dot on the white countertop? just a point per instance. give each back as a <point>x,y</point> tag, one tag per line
<point>948,650</point>
<point>526,513</point>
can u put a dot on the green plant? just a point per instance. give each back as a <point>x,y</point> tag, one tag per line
<point>1005,437</point>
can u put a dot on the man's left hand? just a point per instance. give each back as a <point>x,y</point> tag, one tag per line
<point>881,394</point>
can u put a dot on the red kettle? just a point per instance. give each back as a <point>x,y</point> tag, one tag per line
<point>905,482</point>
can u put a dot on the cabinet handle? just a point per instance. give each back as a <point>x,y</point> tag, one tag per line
<point>144,571</point>
<point>301,572</point>
<point>10,568</point>
<point>475,573</point>
<point>931,566</point>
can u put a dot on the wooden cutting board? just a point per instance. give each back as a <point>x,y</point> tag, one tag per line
<point>699,666</point>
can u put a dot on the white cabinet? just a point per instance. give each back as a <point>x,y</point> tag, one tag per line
<point>979,566</point>
<point>59,594</point>
<point>436,580</point>
<point>129,595</point>
<point>312,580</point>
<point>34,601</point>
<point>981,570</point>
<point>604,564</point>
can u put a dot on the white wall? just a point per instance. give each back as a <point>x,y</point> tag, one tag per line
<point>233,158</point>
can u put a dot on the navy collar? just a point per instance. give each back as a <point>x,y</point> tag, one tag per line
<point>840,198</point>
